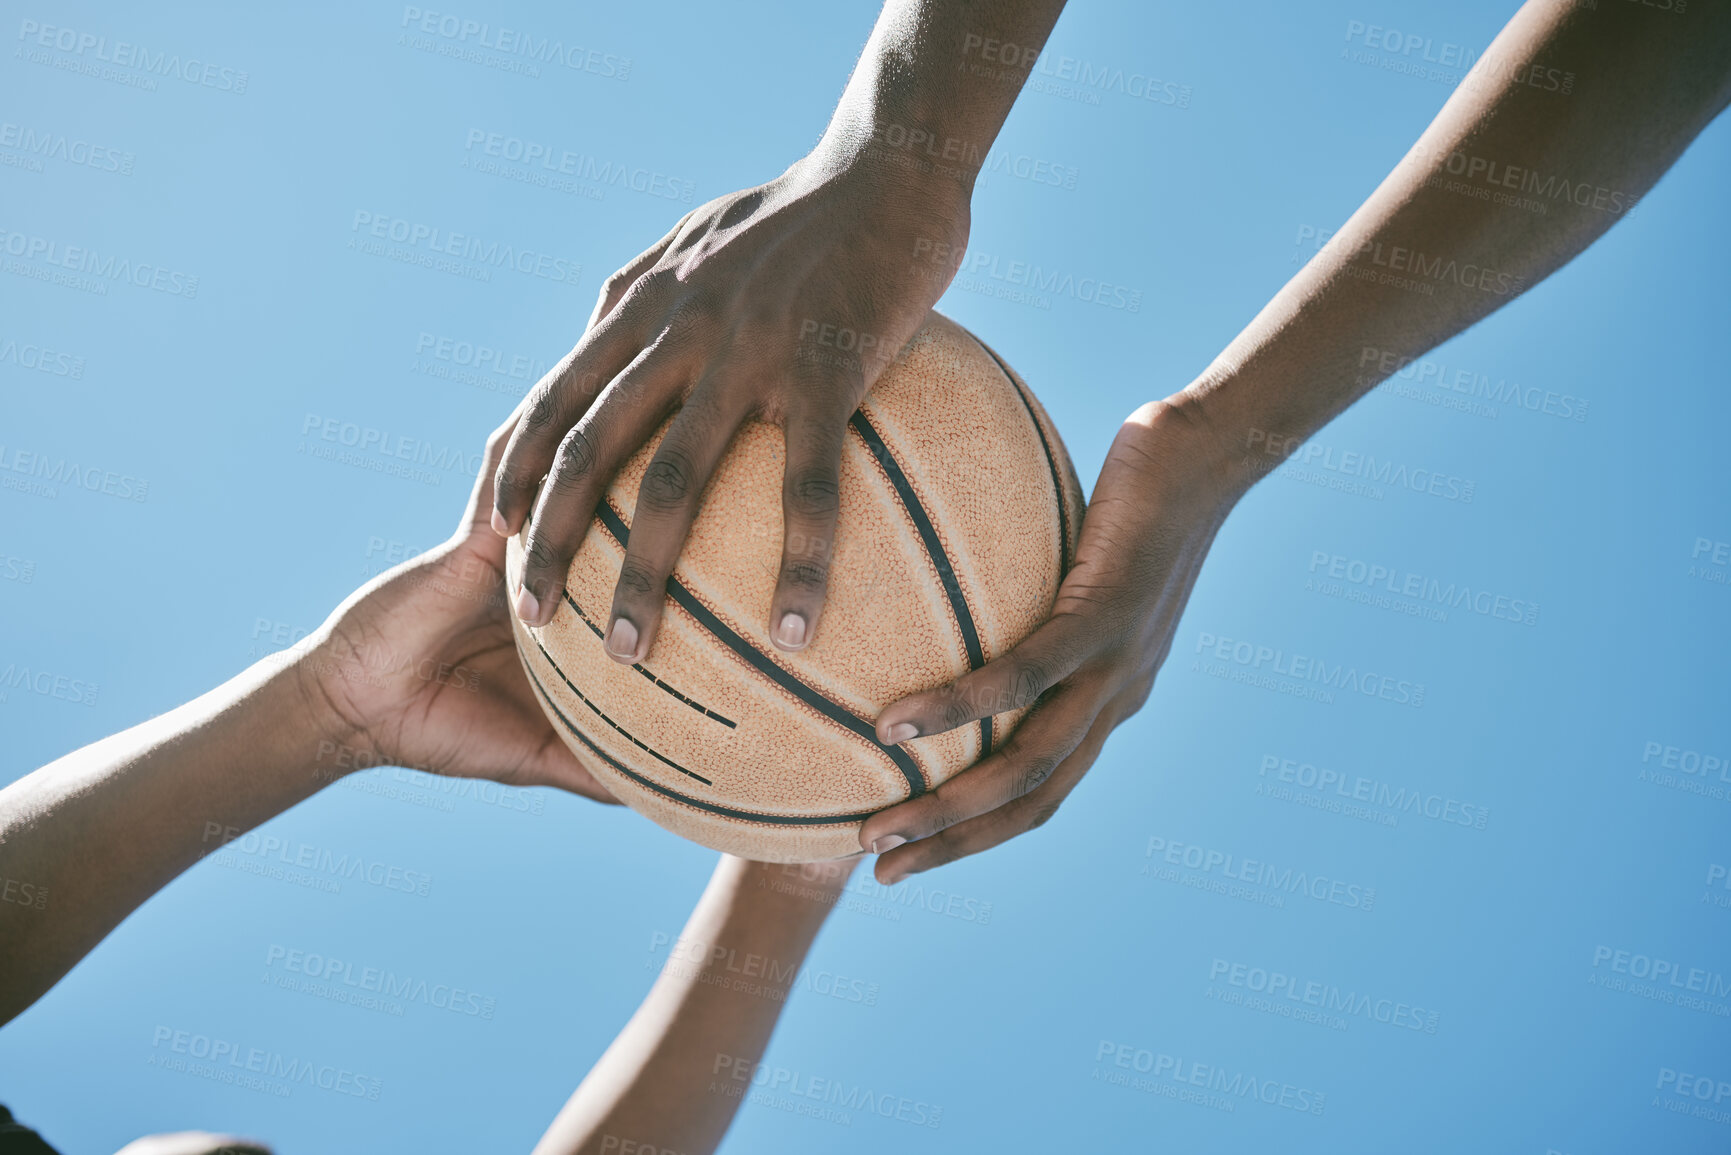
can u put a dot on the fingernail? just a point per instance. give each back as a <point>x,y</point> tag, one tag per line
<point>900,733</point>
<point>527,607</point>
<point>790,634</point>
<point>887,843</point>
<point>499,524</point>
<point>622,640</point>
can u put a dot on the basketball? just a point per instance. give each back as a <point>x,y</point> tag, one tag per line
<point>959,513</point>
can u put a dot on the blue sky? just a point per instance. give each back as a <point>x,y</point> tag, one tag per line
<point>1497,957</point>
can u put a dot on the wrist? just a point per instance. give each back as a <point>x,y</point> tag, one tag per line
<point>323,716</point>
<point>901,154</point>
<point>1194,450</point>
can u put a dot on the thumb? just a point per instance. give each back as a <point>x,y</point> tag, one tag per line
<point>556,765</point>
<point>1045,658</point>
<point>478,514</point>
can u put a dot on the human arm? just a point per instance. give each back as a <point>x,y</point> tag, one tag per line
<point>1427,255</point>
<point>194,1143</point>
<point>417,668</point>
<point>672,1079</point>
<point>780,303</point>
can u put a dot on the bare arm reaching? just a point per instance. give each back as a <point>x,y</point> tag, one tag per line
<point>417,668</point>
<point>672,1080</point>
<point>1435,248</point>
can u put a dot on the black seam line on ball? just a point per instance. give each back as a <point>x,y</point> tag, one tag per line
<point>628,735</point>
<point>934,550</point>
<point>1051,461</point>
<point>696,803</point>
<point>765,665</point>
<point>692,702</point>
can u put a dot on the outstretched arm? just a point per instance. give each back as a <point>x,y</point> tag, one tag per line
<point>677,1073</point>
<point>1581,108</point>
<point>417,668</point>
<point>1451,235</point>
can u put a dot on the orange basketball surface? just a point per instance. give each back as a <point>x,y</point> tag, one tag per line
<point>959,515</point>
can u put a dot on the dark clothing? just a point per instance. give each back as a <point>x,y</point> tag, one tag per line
<point>17,1139</point>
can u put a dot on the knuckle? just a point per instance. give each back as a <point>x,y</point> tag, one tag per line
<point>541,558</point>
<point>575,458</point>
<point>614,287</point>
<point>814,493</point>
<point>667,481</point>
<point>804,575</point>
<point>635,577</point>
<point>944,813</point>
<point>687,323</point>
<point>1014,747</point>
<point>1028,679</point>
<point>1035,773</point>
<point>658,281</point>
<point>1039,815</point>
<point>636,296</point>
<point>988,698</point>
<point>956,711</point>
<point>543,411</point>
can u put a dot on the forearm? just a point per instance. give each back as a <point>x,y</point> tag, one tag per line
<point>672,1079</point>
<point>1452,234</point>
<point>936,81</point>
<point>95,833</point>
